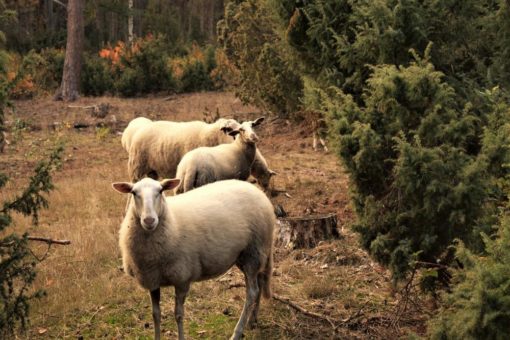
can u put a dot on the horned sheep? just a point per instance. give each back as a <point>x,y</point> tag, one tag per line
<point>226,161</point>
<point>196,236</point>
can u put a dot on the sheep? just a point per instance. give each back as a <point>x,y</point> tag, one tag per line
<point>157,148</point>
<point>196,236</point>
<point>131,129</point>
<point>261,172</point>
<point>225,161</point>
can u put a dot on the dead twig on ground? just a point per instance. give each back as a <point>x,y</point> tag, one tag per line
<point>289,303</point>
<point>94,315</point>
<point>335,324</point>
<point>99,111</point>
<point>169,98</point>
<point>235,285</point>
<point>49,240</point>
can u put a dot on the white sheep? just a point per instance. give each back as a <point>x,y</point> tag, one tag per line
<point>131,129</point>
<point>157,148</point>
<point>261,172</point>
<point>225,161</point>
<point>197,236</point>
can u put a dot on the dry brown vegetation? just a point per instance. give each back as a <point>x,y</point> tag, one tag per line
<point>89,297</point>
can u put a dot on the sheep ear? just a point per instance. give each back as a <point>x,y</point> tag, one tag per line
<point>123,187</point>
<point>169,184</point>
<point>257,121</point>
<point>272,173</point>
<point>226,129</point>
<point>233,133</point>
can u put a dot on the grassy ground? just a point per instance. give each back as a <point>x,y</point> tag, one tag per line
<point>89,297</point>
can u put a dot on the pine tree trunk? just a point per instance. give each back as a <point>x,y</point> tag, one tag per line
<point>306,232</point>
<point>130,22</point>
<point>70,86</point>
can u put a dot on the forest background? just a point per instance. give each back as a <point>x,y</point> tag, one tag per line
<point>413,96</point>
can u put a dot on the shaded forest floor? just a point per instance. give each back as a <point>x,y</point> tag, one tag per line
<point>89,297</point>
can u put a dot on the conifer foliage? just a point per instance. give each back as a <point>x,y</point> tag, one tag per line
<point>479,306</point>
<point>409,148</point>
<point>250,42</point>
<point>17,265</point>
<point>418,135</point>
<point>415,94</point>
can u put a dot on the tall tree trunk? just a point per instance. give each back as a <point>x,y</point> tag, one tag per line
<point>130,21</point>
<point>70,86</point>
<point>50,17</point>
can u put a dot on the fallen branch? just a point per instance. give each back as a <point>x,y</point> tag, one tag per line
<point>49,240</point>
<point>236,285</point>
<point>304,311</point>
<point>169,98</point>
<point>81,107</point>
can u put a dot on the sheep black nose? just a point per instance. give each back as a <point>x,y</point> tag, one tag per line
<point>148,220</point>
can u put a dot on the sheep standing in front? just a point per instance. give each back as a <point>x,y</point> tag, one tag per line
<point>196,236</point>
<point>157,148</point>
<point>131,129</point>
<point>226,161</point>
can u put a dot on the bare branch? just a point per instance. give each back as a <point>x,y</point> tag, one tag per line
<point>304,311</point>
<point>49,240</point>
<point>60,3</point>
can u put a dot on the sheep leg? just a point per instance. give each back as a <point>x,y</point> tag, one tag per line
<point>180,297</point>
<point>156,312</point>
<point>252,320</point>
<point>323,144</point>
<point>252,291</point>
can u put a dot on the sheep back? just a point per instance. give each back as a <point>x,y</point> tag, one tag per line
<point>133,126</point>
<point>160,146</point>
<point>206,165</point>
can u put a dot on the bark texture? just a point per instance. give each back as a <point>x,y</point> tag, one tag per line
<point>306,232</point>
<point>70,86</point>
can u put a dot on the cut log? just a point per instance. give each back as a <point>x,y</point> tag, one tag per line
<point>97,111</point>
<point>306,231</point>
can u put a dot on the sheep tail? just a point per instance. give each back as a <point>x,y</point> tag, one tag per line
<point>204,176</point>
<point>136,164</point>
<point>265,277</point>
<point>188,181</point>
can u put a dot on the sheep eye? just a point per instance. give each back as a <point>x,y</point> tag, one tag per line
<point>134,193</point>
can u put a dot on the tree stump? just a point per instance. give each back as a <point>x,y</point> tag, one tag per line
<point>306,231</point>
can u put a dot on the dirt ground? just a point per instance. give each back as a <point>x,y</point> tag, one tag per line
<point>89,297</point>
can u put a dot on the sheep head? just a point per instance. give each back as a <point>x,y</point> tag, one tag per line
<point>227,125</point>
<point>149,201</point>
<point>264,179</point>
<point>246,132</point>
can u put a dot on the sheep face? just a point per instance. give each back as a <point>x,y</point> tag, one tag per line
<point>149,201</point>
<point>264,179</point>
<point>246,132</point>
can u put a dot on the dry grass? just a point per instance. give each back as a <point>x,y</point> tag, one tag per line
<point>87,294</point>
